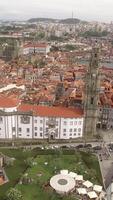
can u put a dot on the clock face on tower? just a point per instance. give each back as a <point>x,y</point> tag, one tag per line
<point>94,75</point>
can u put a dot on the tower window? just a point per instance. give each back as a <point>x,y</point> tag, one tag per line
<point>92,100</point>
<point>1,119</point>
<point>95,55</point>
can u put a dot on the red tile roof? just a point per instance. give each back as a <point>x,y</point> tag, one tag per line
<point>46,111</point>
<point>6,102</point>
<point>39,45</point>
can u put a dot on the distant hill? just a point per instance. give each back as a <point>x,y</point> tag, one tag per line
<point>32,20</point>
<point>70,21</point>
<point>62,21</point>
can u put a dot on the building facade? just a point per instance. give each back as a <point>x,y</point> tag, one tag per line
<point>36,48</point>
<point>40,122</point>
<point>106,117</point>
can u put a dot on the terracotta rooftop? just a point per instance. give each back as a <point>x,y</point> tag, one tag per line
<point>38,45</point>
<point>6,102</point>
<point>52,111</point>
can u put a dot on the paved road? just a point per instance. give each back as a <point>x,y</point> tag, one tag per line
<point>106,158</point>
<point>57,145</point>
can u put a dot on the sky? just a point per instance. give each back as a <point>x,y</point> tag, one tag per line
<point>91,10</point>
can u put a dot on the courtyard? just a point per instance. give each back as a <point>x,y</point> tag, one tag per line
<point>33,179</point>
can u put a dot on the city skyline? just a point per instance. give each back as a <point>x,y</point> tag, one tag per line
<point>87,10</point>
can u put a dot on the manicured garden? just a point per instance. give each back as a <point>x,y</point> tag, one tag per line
<point>15,171</point>
<point>44,165</point>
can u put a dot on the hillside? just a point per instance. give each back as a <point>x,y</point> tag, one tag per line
<point>62,21</point>
<point>70,21</point>
<point>32,20</point>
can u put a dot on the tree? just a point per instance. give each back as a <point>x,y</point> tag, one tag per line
<point>55,38</point>
<point>40,36</point>
<point>29,162</point>
<point>94,33</point>
<point>14,194</point>
<point>70,47</point>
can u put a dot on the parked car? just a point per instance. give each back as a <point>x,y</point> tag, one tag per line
<point>80,146</point>
<point>97,148</point>
<point>64,147</point>
<point>87,145</point>
<point>110,147</point>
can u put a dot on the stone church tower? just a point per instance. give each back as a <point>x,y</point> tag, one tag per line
<point>92,94</point>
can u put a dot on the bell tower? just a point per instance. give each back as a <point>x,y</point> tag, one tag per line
<point>92,94</point>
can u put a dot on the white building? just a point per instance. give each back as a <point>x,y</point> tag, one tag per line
<point>39,122</point>
<point>110,192</point>
<point>36,48</point>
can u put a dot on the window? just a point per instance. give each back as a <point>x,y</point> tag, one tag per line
<point>65,123</point>
<point>13,129</point>
<point>1,119</point>
<point>80,123</point>
<point>64,134</point>
<point>56,134</point>
<point>41,121</point>
<point>79,129</point>
<point>35,134</point>
<point>71,123</point>
<point>28,130</point>
<point>20,134</point>
<point>70,130</point>
<point>35,120</point>
<point>56,123</point>
<point>0,129</point>
<point>28,135</point>
<point>74,134</point>
<point>64,130</point>
<point>56,131</point>
<point>70,134</point>
<point>92,100</point>
<point>47,129</point>
<point>40,134</point>
<point>25,119</point>
<point>75,130</point>
<point>41,128</point>
<point>35,128</point>
<point>20,129</point>
<point>75,123</point>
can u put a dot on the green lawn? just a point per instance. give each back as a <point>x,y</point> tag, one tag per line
<point>79,162</point>
<point>82,163</point>
<point>14,172</point>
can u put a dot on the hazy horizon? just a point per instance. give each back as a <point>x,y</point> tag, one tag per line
<point>90,10</point>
